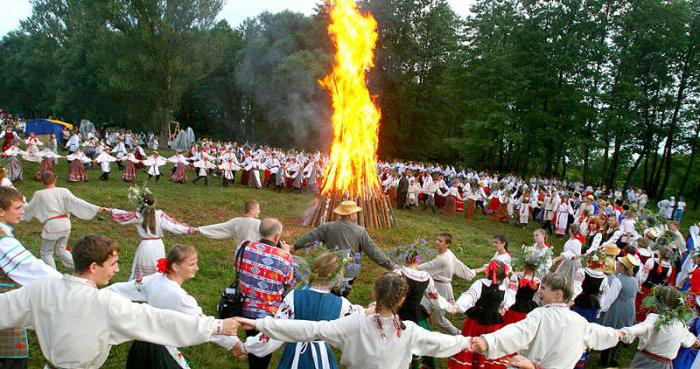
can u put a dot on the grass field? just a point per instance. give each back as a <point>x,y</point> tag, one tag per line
<point>198,205</point>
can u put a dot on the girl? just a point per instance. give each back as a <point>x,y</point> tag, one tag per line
<point>4,182</point>
<point>524,210</point>
<point>595,234</point>
<point>663,331</point>
<point>526,283</point>
<point>541,249</point>
<point>76,170</point>
<point>164,291</point>
<point>315,303</point>
<point>48,159</point>
<point>379,340</point>
<point>179,173</point>
<point>150,224</point>
<point>619,303</point>
<point>14,167</point>
<point>562,216</point>
<point>587,303</point>
<point>130,167</point>
<point>483,303</point>
<point>655,271</point>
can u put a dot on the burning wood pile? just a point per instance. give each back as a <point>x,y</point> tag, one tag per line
<point>352,172</point>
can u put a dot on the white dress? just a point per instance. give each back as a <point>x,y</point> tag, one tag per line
<point>151,247</point>
<point>160,292</point>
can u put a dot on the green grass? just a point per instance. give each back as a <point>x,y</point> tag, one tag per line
<point>198,205</point>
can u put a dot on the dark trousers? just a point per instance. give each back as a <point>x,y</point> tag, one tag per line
<point>157,177</point>
<point>401,199</point>
<point>14,363</point>
<point>206,179</point>
<point>255,362</point>
<point>429,201</point>
<point>104,176</point>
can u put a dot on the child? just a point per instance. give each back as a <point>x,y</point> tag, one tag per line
<point>663,331</point>
<point>154,162</point>
<point>442,268</point>
<point>483,304</point>
<point>378,340</point>
<point>179,172</point>
<point>526,284</point>
<point>76,170</point>
<point>104,159</point>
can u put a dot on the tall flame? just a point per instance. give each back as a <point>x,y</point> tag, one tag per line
<point>353,158</point>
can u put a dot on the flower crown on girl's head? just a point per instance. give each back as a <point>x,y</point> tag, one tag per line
<point>348,262</point>
<point>667,315</point>
<point>525,259</point>
<point>137,196</point>
<point>418,249</point>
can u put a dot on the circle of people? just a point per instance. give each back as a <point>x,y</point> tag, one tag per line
<point>615,284</point>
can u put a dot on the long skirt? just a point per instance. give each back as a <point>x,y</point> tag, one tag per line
<point>14,169</point>
<point>129,172</point>
<point>471,208</point>
<point>644,361</point>
<point>439,201</point>
<point>460,205</point>
<point>245,177</point>
<point>450,205</point>
<point>153,356</point>
<point>502,213</point>
<point>641,311</point>
<point>76,172</point>
<point>46,166</point>
<point>146,258</point>
<point>562,222</point>
<point>493,206</point>
<point>469,360</point>
<point>180,174</point>
<point>423,362</point>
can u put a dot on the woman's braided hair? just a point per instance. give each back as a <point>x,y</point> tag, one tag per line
<point>389,291</point>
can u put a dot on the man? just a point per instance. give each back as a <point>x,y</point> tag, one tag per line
<point>73,143</point>
<point>265,270</point>
<point>53,206</point>
<point>243,228</point>
<point>551,336</point>
<point>402,191</point>
<point>346,233</point>
<point>77,324</point>
<point>17,267</point>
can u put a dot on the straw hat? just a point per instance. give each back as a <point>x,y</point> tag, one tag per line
<point>590,197</point>
<point>347,208</point>
<point>609,267</point>
<point>629,261</point>
<point>611,249</point>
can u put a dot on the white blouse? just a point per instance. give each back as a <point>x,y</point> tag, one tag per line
<point>663,341</point>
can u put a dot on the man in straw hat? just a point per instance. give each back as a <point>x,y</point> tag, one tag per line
<point>346,233</point>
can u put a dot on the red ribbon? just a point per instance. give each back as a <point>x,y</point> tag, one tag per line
<point>580,237</point>
<point>527,282</point>
<point>659,268</point>
<point>492,270</point>
<point>163,265</point>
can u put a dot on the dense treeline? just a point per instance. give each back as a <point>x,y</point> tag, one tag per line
<point>604,91</point>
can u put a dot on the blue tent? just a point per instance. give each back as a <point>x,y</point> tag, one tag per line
<point>46,127</point>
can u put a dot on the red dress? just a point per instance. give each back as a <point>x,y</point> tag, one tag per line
<point>657,276</point>
<point>524,303</point>
<point>129,171</point>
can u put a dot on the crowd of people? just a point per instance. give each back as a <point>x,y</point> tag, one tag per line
<point>623,273</point>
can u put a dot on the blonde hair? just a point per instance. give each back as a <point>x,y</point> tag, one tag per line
<point>325,266</point>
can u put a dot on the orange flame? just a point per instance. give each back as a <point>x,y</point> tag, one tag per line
<point>353,158</point>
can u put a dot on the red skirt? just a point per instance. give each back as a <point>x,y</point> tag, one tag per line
<point>180,174</point>
<point>76,172</point>
<point>512,316</point>
<point>493,206</point>
<point>267,177</point>
<point>467,359</point>
<point>129,172</point>
<point>471,208</point>
<point>440,201</point>
<point>502,213</point>
<point>450,207</point>
<point>459,204</point>
<point>641,311</point>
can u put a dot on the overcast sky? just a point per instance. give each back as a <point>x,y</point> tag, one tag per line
<point>235,11</point>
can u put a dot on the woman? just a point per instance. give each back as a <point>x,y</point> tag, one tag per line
<point>472,195</point>
<point>4,181</point>
<point>315,303</point>
<point>587,303</point>
<point>595,234</point>
<point>179,172</point>
<point>150,224</point>
<point>130,167</point>
<point>379,340</point>
<point>48,158</point>
<point>619,303</point>
<point>164,291</point>
<point>562,216</point>
<point>541,249</point>
<point>14,167</point>
<point>654,272</point>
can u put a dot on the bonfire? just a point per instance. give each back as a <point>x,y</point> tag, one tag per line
<point>352,172</point>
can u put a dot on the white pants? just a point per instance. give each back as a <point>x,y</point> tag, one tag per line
<point>48,247</point>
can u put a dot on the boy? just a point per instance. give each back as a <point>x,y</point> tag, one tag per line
<point>441,269</point>
<point>17,267</point>
<point>551,336</point>
<point>77,324</point>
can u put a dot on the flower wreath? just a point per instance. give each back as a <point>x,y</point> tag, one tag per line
<point>305,258</point>
<point>136,196</point>
<point>667,315</point>
<point>418,249</point>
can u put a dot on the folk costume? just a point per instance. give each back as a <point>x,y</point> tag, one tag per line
<point>367,342</point>
<point>442,268</point>
<point>203,167</point>
<point>76,169</point>
<point>31,151</point>
<point>179,174</point>
<point>48,158</point>
<point>308,304</point>
<point>77,324</point>
<point>540,337</point>
<point>53,207</point>
<point>526,286</point>
<point>658,343</point>
<point>104,158</point>
<point>130,167</point>
<point>9,135</point>
<point>561,223</point>
<point>159,291</point>
<point>654,272</point>
<point>154,162</point>
<point>243,228</point>
<point>17,267</point>
<point>151,247</point>
<point>14,167</point>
